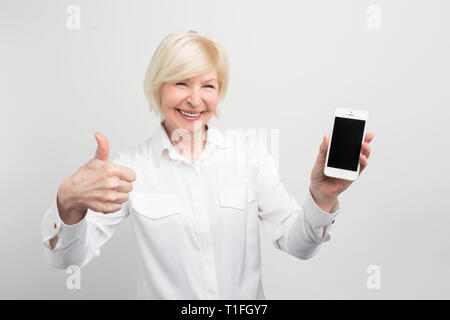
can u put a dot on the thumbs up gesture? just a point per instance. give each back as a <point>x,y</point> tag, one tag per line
<point>98,185</point>
<point>102,152</point>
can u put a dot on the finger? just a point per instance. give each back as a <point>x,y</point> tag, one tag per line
<point>102,152</point>
<point>124,186</point>
<point>111,183</point>
<point>363,162</point>
<point>119,197</point>
<point>124,173</point>
<point>104,207</point>
<point>111,207</point>
<point>112,196</point>
<point>323,149</point>
<point>321,157</point>
<point>327,139</point>
<point>366,149</point>
<point>369,136</point>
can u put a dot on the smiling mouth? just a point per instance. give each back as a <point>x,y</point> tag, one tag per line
<point>190,115</point>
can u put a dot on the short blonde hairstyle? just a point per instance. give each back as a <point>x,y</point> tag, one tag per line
<point>183,55</point>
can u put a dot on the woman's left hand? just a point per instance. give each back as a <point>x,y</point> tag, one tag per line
<point>326,189</point>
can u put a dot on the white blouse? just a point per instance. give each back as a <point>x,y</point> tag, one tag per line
<point>196,225</point>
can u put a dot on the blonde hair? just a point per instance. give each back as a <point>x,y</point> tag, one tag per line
<point>182,55</point>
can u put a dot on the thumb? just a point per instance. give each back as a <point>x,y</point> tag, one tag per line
<point>102,147</point>
<point>323,149</point>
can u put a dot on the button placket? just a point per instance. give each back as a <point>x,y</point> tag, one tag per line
<point>204,237</point>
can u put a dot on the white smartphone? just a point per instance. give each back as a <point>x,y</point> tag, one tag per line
<point>344,147</point>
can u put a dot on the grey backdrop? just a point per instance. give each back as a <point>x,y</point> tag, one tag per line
<point>291,64</point>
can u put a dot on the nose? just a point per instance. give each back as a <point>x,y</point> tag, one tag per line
<point>195,99</point>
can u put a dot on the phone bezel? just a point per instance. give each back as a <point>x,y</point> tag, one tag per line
<point>349,114</point>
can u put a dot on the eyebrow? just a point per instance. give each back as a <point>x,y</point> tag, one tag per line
<point>203,81</point>
<point>210,80</point>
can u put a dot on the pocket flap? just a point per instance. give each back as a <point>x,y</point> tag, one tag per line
<point>156,205</point>
<point>234,197</point>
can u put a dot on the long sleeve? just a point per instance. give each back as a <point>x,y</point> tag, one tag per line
<point>78,244</point>
<point>297,230</point>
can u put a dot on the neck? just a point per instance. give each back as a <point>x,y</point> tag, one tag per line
<point>188,144</point>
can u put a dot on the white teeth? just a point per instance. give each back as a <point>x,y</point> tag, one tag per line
<point>189,114</point>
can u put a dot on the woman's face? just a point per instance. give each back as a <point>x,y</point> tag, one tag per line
<point>197,96</point>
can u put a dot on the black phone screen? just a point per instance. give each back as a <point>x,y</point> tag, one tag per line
<point>346,143</point>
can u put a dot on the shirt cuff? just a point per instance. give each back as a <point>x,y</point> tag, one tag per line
<point>52,226</point>
<point>319,218</point>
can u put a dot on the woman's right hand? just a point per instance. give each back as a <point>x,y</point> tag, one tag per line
<point>98,185</point>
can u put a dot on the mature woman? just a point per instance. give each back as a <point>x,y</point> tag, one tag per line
<point>195,194</point>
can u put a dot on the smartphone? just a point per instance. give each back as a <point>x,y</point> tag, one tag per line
<point>344,147</point>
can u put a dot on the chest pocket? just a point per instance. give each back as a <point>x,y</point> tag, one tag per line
<point>156,205</point>
<point>237,197</point>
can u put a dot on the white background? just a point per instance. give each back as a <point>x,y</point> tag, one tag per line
<point>291,64</point>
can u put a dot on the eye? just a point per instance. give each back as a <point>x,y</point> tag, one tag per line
<point>184,84</point>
